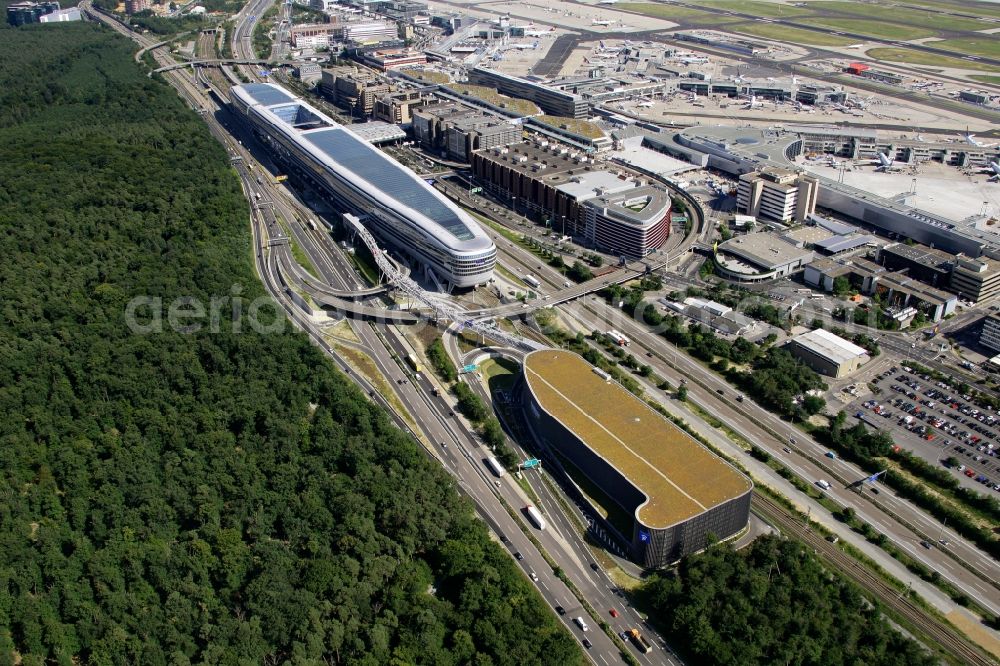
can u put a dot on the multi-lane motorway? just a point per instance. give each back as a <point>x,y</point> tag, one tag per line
<point>963,564</point>
<point>451,440</point>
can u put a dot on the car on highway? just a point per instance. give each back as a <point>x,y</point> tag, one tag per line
<point>533,576</point>
<point>581,623</point>
<point>614,613</point>
<point>560,610</point>
<point>587,644</point>
<point>518,555</point>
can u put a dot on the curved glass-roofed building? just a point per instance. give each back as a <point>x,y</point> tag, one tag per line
<point>395,204</point>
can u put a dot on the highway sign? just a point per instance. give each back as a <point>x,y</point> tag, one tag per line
<point>469,368</point>
<point>531,462</point>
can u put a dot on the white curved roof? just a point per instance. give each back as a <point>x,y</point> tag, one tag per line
<point>387,182</point>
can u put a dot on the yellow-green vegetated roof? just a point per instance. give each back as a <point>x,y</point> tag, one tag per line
<point>680,477</point>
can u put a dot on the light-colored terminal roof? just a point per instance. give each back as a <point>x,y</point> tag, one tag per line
<point>679,477</point>
<point>765,249</point>
<point>342,151</point>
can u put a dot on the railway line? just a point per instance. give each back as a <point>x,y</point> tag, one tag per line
<point>957,646</point>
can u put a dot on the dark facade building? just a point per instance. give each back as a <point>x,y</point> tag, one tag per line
<point>920,262</point>
<point>677,492</point>
<point>22,13</point>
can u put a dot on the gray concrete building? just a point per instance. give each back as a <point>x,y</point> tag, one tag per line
<point>551,100</point>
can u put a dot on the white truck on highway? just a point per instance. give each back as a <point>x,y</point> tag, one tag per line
<point>494,466</point>
<point>536,516</point>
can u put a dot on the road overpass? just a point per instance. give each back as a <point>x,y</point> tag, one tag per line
<point>291,276</point>
<point>620,275</point>
<point>216,61</point>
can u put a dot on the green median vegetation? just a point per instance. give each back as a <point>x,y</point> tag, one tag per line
<point>221,495</point>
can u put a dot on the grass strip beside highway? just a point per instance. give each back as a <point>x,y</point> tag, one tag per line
<point>986,78</point>
<point>561,575</point>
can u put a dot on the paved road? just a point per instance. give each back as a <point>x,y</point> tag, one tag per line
<point>757,425</point>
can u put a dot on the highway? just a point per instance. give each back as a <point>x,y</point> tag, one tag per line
<point>444,435</point>
<point>437,425</point>
<point>963,564</point>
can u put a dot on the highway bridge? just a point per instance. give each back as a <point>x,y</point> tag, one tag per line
<point>217,61</point>
<point>620,275</point>
<point>291,275</point>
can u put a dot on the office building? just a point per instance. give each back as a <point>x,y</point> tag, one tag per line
<point>976,280</point>
<point>679,496</point>
<point>578,196</point>
<point>777,194</point>
<point>384,60</point>
<point>826,353</point>
<point>136,6</point>
<point>989,337</point>
<point>22,13</point>
<point>623,218</point>
<point>398,108</point>
<point>315,35</point>
<point>395,205</point>
<point>552,101</point>
<point>929,265</point>
<point>459,130</point>
<point>353,89</point>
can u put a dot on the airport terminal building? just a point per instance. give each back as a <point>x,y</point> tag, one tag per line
<point>678,494</point>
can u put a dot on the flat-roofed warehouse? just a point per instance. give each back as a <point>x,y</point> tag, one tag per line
<point>826,353</point>
<point>677,491</point>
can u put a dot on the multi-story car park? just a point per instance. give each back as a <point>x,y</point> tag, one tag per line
<point>393,203</point>
<point>677,491</point>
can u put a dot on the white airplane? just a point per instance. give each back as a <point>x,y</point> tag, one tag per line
<point>607,2</point>
<point>646,103</point>
<point>971,139</point>
<point>885,163</point>
<point>856,46</point>
<point>752,103</point>
<point>602,22</point>
<point>993,168</point>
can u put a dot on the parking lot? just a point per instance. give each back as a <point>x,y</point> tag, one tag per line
<point>935,422</point>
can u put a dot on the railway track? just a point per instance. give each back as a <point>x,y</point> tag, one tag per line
<point>957,646</point>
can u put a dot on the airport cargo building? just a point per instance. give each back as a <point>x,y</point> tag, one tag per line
<point>827,353</point>
<point>677,492</point>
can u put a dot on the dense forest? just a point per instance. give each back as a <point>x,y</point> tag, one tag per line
<point>771,603</point>
<point>214,497</point>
